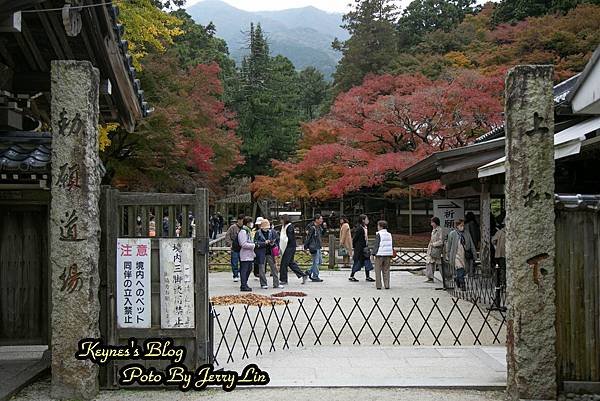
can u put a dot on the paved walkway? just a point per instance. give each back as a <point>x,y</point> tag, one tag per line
<point>19,366</point>
<point>395,366</point>
<point>387,364</point>
<point>41,390</point>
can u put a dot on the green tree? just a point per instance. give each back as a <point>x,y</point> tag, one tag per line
<point>148,28</point>
<point>516,10</point>
<point>313,91</point>
<point>423,16</point>
<point>372,44</point>
<point>267,103</point>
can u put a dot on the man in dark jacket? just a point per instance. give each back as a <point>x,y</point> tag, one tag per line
<point>313,243</point>
<point>231,240</point>
<point>287,241</point>
<point>361,251</point>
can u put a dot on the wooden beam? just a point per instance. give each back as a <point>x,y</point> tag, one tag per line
<point>105,44</point>
<point>35,51</point>
<point>10,6</point>
<point>11,22</point>
<point>51,34</point>
<point>88,46</point>
<point>459,177</point>
<point>6,55</point>
<point>463,192</point>
<point>60,34</point>
<point>26,52</point>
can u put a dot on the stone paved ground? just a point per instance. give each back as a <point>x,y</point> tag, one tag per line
<point>40,392</point>
<point>432,324</point>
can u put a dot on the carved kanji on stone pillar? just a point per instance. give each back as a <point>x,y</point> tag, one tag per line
<point>75,229</point>
<point>531,334</point>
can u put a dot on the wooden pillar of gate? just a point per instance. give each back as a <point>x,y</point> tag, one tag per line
<point>201,272</point>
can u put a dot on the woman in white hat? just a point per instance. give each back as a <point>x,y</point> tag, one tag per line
<point>267,247</point>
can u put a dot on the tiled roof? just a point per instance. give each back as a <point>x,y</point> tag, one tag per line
<point>25,152</point>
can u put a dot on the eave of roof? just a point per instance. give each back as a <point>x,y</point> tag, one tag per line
<point>584,75</point>
<point>100,41</point>
<point>439,163</point>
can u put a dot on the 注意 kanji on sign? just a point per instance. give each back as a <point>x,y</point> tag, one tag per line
<point>133,283</point>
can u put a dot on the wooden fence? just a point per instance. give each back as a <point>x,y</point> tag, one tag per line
<point>578,293</point>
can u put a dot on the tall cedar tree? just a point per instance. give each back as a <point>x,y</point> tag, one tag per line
<point>372,44</point>
<point>267,102</point>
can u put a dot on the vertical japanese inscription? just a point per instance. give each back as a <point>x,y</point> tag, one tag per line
<point>133,283</point>
<point>177,283</point>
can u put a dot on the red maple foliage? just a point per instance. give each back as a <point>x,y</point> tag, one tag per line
<point>382,127</point>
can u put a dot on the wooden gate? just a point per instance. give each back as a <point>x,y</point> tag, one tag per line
<point>154,215</point>
<point>23,275</point>
<point>578,294</point>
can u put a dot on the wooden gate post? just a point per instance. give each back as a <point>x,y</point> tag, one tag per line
<point>530,246</point>
<point>109,227</point>
<point>201,281</point>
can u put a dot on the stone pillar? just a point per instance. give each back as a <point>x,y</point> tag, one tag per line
<point>531,333</point>
<point>485,224</point>
<point>75,226</point>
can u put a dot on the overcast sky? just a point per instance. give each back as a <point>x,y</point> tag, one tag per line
<point>261,5</point>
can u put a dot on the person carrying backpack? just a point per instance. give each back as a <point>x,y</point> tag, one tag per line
<point>231,240</point>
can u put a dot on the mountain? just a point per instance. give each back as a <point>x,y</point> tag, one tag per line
<point>303,35</point>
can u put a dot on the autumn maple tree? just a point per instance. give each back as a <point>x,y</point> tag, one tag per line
<point>382,127</point>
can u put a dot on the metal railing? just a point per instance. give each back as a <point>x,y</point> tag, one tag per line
<point>485,287</point>
<point>221,256</point>
<point>242,332</point>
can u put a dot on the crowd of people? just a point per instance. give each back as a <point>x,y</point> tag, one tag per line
<point>256,245</point>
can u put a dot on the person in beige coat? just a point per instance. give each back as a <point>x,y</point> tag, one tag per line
<point>346,240</point>
<point>434,249</point>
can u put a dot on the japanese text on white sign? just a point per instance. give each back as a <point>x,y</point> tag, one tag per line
<point>177,283</point>
<point>133,283</point>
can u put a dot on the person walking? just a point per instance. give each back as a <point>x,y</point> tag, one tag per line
<point>499,242</point>
<point>221,222</point>
<point>434,249</point>
<point>267,248</point>
<point>231,241</point>
<point>461,252</point>
<point>472,227</point>
<point>247,254</point>
<point>287,244</point>
<point>313,243</point>
<point>383,249</point>
<point>361,251</point>
<point>215,226</point>
<point>255,227</point>
<point>345,250</point>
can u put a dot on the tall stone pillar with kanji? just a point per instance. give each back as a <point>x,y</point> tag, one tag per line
<point>531,332</point>
<point>75,228</point>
